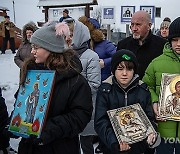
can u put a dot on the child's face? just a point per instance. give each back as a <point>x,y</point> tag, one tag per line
<point>123,74</point>
<point>176,44</point>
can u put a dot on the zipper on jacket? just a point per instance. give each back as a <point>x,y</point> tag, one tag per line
<point>125,98</point>
<point>125,92</point>
<point>177,129</point>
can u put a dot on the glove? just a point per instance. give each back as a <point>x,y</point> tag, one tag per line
<point>34,140</point>
<point>115,147</point>
<point>9,134</point>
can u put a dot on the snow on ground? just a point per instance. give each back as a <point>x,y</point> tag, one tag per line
<point>9,80</point>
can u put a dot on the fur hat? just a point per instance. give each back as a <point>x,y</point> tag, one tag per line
<point>165,24</point>
<point>51,37</point>
<point>29,26</point>
<point>123,55</point>
<point>174,29</point>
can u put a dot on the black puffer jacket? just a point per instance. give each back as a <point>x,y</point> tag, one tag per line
<point>69,112</point>
<point>112,96</point>
<point>4,141</point>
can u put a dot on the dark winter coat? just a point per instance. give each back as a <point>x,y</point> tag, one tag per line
<point>63,18</point>
<point>68,114</point>
<point>4,141</point>
<point>112,96</point>
<point>105,50</point>
<point>151,48</point>
<point>24,50</point>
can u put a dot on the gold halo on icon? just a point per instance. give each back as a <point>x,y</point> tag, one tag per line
<point>173,83</point>
<point>123,119</point>
<point>123,113</point>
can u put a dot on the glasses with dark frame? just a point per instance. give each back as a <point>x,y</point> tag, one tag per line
<point>34,47</point>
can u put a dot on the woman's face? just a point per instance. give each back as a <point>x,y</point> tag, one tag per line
<point>40,54</point>
<point>164,32</point>
<point>29,33</point>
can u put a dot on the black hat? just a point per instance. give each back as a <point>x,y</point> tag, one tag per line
<point>174,29</point>
<point>123,55</point>
<point>66,11</point>
<point>6,16</point>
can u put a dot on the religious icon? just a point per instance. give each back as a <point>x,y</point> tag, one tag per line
<point>169,100</point>
<point>130,123</point>
<point>32,103</point>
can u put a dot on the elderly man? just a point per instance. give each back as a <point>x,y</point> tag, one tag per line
<point>143,43</point>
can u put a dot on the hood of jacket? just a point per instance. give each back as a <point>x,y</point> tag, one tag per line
<point>134,82</point>
<point>168,51</point>
<point>31,25</point>
<point>81,37</point>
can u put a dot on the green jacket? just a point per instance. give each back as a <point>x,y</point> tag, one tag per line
<point>168,62</point>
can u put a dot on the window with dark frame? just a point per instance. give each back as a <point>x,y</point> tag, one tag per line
<point>158,12</point>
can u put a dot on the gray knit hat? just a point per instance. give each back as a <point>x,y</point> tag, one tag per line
<point>51,37</point>
<point>165,24</point>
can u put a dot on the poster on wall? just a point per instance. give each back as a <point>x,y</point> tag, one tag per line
<point>31,106</point>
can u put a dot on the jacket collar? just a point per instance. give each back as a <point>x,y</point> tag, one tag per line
<point>134,82</point>
<point>168,51</point>
<point>147,39</point>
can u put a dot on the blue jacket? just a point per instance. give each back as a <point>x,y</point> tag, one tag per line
<point>105,50</point>
<point>62,18</point>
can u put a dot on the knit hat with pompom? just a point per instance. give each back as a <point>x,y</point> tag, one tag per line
<point>51,37</point>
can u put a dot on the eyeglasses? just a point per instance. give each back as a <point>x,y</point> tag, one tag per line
<point>34,47</point>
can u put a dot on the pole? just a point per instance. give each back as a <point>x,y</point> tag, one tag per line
<point>109,32</point>
<point>127,30</point>
<point>14,12</point>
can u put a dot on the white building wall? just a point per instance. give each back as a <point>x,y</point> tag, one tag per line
<point>169,8</point>
<point>57,13</point>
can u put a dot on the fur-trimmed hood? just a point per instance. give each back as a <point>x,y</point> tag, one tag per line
<point>30,25</point>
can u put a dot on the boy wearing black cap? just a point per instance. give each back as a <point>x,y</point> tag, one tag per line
<point>168,62</point>
<point>121,89</point>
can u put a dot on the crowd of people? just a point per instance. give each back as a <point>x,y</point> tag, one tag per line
<point>92,77</point>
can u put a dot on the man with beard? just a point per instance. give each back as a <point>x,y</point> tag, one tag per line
<point>143,43</point>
